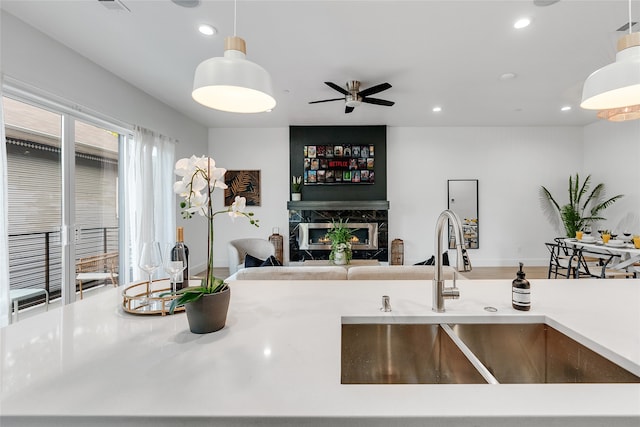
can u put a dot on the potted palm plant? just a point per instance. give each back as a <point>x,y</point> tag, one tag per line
<point>206,305</point>
<point>583,209</point>
<point>340,236</point>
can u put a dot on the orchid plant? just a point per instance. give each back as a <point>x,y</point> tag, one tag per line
<point>199,178</point>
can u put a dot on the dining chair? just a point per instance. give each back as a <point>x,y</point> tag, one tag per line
<point>576,260</point>
<point>560,261</point>
<point>596,264</point>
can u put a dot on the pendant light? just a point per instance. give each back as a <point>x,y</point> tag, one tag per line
<point>615,88</point>
<point>232,83</point>
<point>620,114</point>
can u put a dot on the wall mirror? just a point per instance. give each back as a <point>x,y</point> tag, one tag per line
<point>462,198</point>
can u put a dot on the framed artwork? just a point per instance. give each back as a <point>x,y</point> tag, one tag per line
<point>244,184</point>
<point>339,164</point>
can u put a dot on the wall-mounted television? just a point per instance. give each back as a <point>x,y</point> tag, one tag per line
<point>339,164</point>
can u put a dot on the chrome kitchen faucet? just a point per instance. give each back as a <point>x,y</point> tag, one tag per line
<point>463,263</point>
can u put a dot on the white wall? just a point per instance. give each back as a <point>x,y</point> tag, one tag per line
<point>510,164</point>
<point>612,156</point>
<point>36,60</point>
<point>250,149</point>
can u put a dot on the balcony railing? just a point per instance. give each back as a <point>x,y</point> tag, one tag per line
<point>35,259</point>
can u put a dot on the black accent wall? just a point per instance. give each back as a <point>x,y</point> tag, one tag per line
<point>299,136</point>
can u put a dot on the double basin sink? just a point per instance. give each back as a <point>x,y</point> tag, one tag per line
<point>470,353</point>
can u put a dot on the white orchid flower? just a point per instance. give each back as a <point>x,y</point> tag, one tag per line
<point>237,207</point>
<point>203,162</point>
<point>180,188</point>
<point>198,203</point>
<point>217,177</point>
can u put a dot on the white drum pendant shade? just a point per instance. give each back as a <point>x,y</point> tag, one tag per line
<point>233,83</point>
<point>616,85</point>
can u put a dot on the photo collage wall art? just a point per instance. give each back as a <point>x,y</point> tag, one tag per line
<point>339,164</point>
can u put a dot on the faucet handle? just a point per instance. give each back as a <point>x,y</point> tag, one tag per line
<point>451,293</point>
<point>386,304</point>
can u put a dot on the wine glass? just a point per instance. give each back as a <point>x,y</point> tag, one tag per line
<point>174,263</point>
<point>150,261</point>
<point>587,230</point>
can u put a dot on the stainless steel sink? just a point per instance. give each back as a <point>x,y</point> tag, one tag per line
<point>467,353</point>
<point>537,353</point>
<point>403,354</point>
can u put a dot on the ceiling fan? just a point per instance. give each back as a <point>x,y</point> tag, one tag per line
<point>353,96</point>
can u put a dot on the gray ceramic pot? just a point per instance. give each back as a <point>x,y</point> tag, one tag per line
<point>209,313</point>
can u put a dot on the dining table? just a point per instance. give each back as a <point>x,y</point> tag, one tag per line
<point>620,256</point>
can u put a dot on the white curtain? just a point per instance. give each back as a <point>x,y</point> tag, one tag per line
<point>150,203</point>
<point>4,224</point>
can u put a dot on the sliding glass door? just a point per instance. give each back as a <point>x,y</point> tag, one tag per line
<point>63,176</point>
<point>34,172</point>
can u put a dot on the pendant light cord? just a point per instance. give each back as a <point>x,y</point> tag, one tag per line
<point>235,14</point>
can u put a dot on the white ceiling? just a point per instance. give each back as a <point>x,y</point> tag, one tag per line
<point>448,53</point>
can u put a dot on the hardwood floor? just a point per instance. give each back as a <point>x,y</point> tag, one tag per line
<point>479,273</point>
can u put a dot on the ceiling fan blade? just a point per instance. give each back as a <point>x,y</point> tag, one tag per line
<point>327,100</point>
<point>378,101</point>
<point>374,89</point>
<point>336,87</point>
<point>348,109</point>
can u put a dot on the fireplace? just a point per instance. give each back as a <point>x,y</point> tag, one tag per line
<point>309,222</point>
<point>313,236</point>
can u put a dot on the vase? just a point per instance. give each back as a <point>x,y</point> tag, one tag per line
<point>209,312</point>
<point>339,258</point>
<point>296,197</point>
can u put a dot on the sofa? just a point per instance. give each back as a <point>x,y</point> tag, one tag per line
<point>378,272</point>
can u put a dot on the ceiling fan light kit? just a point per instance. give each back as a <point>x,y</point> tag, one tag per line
<point>353,96</point>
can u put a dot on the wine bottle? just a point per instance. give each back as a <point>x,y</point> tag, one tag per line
<point>183,278</point>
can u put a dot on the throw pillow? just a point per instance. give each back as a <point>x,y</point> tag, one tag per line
<point>432,260</point>
<point>271,262</point>
<point>251,261</point>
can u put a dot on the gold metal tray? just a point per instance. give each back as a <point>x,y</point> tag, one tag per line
<point>139,298</point>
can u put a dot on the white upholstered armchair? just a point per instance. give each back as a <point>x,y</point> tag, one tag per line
<point>238,249</point>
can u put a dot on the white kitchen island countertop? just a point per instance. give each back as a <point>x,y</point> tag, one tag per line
<point>277,362</point>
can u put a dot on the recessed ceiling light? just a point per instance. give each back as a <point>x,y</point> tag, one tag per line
<point>522,23</point>
<point>206,29</point>
<point>436,109</point>
<point>566,108</point>
<point>508,76</point>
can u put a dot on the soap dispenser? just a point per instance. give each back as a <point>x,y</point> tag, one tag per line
<point>521,292</point>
